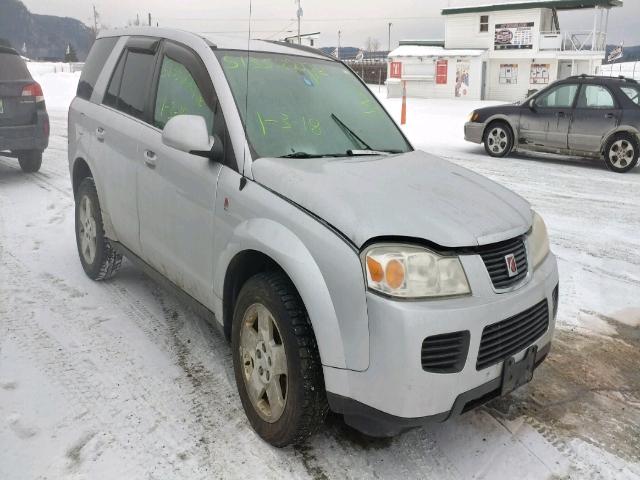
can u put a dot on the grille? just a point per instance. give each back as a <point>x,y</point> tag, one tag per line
<point>494,259</point>
<point>504,339</point>
<point>445,353</point>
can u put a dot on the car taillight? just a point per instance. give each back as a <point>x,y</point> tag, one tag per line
<point>33,90</point>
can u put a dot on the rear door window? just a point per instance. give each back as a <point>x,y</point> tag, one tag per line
<point>595,96</point>
<point>129,85</point>
<point>98,55</point>
<point>12,68</point>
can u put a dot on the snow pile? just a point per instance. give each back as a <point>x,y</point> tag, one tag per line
<point>58,84</point>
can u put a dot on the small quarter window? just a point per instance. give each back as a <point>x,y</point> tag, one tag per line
<point>484,23</point>
<point>98,55</point>
<point>633,93</point>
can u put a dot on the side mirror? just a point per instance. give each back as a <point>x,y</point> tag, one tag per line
<point>188,133</point>
<point>532,104</point>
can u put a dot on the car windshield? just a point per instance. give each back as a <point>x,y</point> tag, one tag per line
<point>303,107</point>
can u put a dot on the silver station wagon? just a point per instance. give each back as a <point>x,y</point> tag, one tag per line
<point>267,186</point>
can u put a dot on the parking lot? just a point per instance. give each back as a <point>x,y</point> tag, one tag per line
<point>119,380</point>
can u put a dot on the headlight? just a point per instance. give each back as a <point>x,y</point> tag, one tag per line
<point>538,240</point>
<point>412,272</point>
<point>473,116</point>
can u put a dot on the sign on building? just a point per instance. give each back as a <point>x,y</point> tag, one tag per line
<point>616,53</point>
<point>396,70</point>
<point>462,78</point>
<point>539,73</point>
<point>514,36</point>
<point>508,73</point>
<point>441,72</point>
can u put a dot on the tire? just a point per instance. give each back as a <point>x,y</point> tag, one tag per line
<point>621,152</point>
<point>498,139</point>
<point>30,160</point>
<point>268,302</point>
<point>99,260</point>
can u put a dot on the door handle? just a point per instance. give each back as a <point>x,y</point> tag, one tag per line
<point>150,158</point>
<point>100,134</point>
<point>561,114</point>
<point>609,115</point>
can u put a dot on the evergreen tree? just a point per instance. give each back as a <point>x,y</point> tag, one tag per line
<point>70,55</point>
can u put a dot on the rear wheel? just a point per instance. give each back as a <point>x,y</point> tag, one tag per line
<point>276,361</point>
<point>30,160</point>
<point>621,152</point>
<point>498,139</point>
<point>99,260</point>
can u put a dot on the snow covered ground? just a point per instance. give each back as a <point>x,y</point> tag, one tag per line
<point>118,380</point>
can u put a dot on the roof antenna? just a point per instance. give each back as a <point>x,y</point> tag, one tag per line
<point>246,98</point>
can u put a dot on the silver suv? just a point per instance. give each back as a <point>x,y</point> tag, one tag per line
<point>270,189</point>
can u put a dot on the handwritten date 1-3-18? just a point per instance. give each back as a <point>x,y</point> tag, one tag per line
<point>285,122</point>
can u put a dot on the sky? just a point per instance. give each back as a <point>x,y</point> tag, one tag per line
<point>274,19</point>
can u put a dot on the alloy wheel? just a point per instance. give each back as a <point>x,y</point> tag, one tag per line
<point>497,140</point>
<point>264,363</point>
<point>621,153</point>
<point>88,231</point>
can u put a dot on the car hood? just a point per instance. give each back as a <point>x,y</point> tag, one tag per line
<point>413,195</point>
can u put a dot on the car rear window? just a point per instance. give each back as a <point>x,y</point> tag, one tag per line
<point>633,93</point>
<point>98,55</point>
<point>12,67</point>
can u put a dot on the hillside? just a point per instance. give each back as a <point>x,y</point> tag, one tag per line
<point>45,36</point>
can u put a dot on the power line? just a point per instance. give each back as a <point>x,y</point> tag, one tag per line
<point>345,19</point>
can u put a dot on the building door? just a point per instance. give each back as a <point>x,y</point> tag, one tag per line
<point>483,91</point>
<point>564,70</point>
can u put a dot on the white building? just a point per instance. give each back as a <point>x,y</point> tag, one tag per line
<point>500,51</point>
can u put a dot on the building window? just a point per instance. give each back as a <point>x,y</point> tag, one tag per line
<point>441,72</point>
<point>508,73</point>
<point>484,23</point>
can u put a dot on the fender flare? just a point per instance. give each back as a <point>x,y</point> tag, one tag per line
<point>289,252</point>
<point>615,130</point>
<point>504,118</point>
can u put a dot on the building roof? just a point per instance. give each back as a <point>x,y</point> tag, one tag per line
<point>426,51</point>
<point>522,5</point>
<point>424,43</point>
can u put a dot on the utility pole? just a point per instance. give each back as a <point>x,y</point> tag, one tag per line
<point>95,19</point>
<point>299,13</point>
<point>149,18</point>
<point>339,38</point>
<point>390,36</point>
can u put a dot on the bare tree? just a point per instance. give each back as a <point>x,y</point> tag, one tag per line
<point>372,44</point>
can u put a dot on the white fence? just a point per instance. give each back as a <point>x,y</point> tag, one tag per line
<point>40,68</point>
<point>627,69</point>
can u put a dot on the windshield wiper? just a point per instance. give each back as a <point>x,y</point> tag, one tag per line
<point>350,132</point>
<point>358,153</point>
<point>307,155</point>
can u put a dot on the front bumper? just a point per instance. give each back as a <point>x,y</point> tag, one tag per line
<point>473,132</point>
<point>396,388</point>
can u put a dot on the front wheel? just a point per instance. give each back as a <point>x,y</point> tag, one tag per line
<point>621,152</point>
<point>99,260</point>
<point>276,361</point>
<point>30,160</point>
<point>498,139</point>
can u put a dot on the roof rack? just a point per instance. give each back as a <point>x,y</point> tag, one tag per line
<point>604,77</point>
